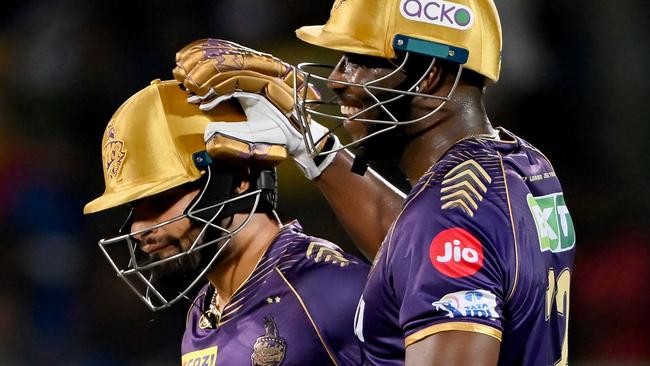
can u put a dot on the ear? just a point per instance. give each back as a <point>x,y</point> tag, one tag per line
<point>244,183</point>
<point>432,81</point>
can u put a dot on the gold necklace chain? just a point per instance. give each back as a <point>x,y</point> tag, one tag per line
<point>214,306</point>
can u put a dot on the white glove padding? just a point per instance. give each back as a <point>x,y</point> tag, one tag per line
<point>267,125</point>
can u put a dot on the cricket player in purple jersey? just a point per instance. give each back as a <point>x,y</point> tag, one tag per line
<point>204,217</point>
<point>475,264</point>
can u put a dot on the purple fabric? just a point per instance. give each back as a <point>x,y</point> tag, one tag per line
<point>445,264</point>
<point>265,322</point>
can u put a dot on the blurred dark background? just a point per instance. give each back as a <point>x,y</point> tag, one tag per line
<point>574,83</point>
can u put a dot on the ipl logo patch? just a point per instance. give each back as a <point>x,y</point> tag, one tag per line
<point>113,153</point>
<point>438,12</point>
<point>471,304</point>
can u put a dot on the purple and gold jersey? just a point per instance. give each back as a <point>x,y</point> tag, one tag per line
<point>484,244</point>
<point>296,308</point>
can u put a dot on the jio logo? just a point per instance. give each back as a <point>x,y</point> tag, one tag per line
<point>456,253</point>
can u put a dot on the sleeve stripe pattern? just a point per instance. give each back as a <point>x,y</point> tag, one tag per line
<point>442,327</point>
<point>463,185</point>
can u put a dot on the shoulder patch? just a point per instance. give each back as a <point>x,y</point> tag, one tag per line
<point>456,253</point>
<point>321,252</point>
<point>464,186</point>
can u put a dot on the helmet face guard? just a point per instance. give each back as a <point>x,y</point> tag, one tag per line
<point>153,143</point>
<point>463,32</point>
<point>147,276</point>
<point>305,109</point>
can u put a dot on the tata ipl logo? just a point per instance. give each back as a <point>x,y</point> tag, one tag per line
<point>554,224</point>
<point>438,12</point>
<point>473,304</point>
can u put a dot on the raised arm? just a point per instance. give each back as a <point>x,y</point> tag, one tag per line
<point>365,205</point>
<point>215,70</point>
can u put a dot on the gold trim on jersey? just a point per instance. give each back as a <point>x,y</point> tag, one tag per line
<point>463,186</point>
<point>514,234</point>
<point>319,252</point>
<point>443,327</point>
<point>313,323</point>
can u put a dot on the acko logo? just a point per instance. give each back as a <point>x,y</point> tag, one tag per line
<point>456,253</point>
<point>438,12</point>
<point>554,224</point>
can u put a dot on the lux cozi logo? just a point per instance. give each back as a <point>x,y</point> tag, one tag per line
<point>438,12</point>
<point>204,357</point>
<point>555,229</point>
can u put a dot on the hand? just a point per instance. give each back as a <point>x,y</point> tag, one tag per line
<point>265,127</point>
<point>214,67</point>
<point>216,70</point>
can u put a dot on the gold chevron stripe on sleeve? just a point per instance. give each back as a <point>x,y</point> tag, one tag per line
<point>325,254</point>
<point>466,165</point>
<point>464,186</point>
<point>458,203</point>
<point>463,195</point>
<point>475,179</point>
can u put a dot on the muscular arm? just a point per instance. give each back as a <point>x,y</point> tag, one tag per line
<point>453,348</point>
<point>365,205</point>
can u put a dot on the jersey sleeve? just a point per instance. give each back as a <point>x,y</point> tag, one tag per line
<point>447,267</point>
<point>330,284</point>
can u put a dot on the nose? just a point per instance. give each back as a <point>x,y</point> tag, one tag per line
<point>139,224</point>
<point>337,74</point>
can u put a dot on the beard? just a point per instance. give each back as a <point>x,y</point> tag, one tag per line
<point>383,149</point>
<point>176,276</point>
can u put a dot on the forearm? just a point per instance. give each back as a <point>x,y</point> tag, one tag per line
<point>365,205</point>
<point>454,348</point>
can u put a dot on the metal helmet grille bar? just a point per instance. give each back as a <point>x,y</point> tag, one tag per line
<point>134,274</point>
<point>306,109</point>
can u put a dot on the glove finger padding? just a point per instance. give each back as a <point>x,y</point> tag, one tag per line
<point>225,67</point>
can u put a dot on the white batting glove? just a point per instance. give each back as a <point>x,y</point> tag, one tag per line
<point>267,124</point>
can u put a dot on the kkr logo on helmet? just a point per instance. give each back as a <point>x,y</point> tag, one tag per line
<point>438,12</point>
<point>113,154</point>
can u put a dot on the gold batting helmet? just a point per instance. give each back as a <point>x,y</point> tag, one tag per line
<point>464,31</point>
<point>149,144</point>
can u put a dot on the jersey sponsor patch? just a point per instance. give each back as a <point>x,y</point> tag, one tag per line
<point>469,304</point>
<point>438,12</point>
<point>456,253</point>
<point>554,224</point>
<point>203,357</point>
